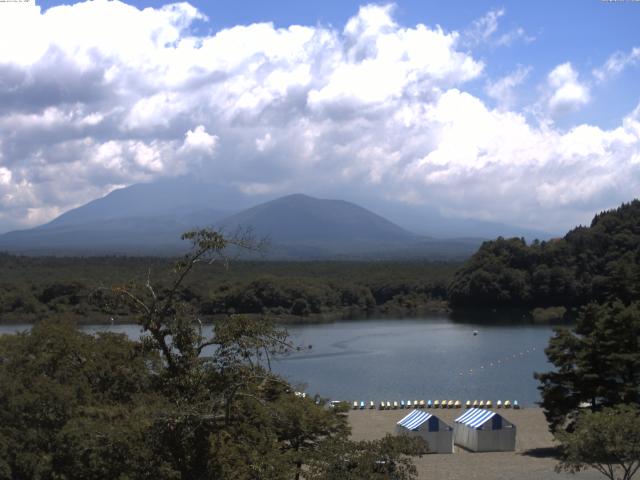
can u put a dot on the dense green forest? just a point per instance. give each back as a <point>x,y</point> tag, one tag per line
<point>80,406</point>
<point>589,264</point>
<point>33,288</point>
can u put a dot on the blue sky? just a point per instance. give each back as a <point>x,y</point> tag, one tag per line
<point>517,111</point>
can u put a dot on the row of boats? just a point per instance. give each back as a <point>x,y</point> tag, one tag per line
<point>386,405</point>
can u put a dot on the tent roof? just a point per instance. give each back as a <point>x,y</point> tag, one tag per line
<point>475,417</point>
<point>415,419</point>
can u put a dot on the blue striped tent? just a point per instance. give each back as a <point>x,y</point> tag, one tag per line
<point>484,431</point>
<point>437,434</point>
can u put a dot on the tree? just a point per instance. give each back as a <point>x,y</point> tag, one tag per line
<point>597,363</point>
<point>234,418</point>
<point>383,459</point>
<point>180,404</point>
<point>76,406</point>
<point>607,441</point>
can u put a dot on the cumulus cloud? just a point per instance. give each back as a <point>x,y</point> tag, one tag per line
<point>375,107</point>
<point>198,140</point>
<point>567,92</point>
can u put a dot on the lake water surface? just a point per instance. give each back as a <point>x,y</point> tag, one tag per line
<point>394,359</point>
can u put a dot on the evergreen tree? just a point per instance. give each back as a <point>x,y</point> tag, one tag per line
<point>597,363</point>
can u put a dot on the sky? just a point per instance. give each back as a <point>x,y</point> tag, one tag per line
<point>526,113</point>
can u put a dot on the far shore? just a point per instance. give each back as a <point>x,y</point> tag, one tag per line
<point>534,458</point>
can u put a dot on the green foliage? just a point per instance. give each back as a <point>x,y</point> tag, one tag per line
<point>608,441</point>
<point>78,406</point>
<point>33,288</point>
<point>68,397</point>
<point>597,363</point>
<point>384,459</point>
<point>598,263</point>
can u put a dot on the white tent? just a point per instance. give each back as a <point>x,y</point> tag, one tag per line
<point>484,431</point>
<point>423,424</point>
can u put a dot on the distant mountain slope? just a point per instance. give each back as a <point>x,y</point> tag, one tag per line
<point>300,218</point>
<point>172,197</point>
<point>129,235</point>
<point>297,226</point>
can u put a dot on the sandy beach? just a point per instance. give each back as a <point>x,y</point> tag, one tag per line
<point>532,459</point>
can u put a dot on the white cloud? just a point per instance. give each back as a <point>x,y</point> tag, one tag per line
<point>567,93</point>
<point>375,108</point>
<point>198,140</point>
<point>5,176</point>
<point>484,27</point>
<point>512,36</point>
<point>616,63</point>
<point>484,30</point>
<point>502,90</point>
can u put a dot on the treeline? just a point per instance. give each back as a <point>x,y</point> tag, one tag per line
<point>596,263</point>
<point>33,288</point>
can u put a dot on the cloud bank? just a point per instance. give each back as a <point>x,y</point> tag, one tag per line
<point>101,94</point>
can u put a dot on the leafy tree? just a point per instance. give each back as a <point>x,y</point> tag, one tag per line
<point>596,263</point>
<point>607,441</point>
<point>181,403</point>
<point>597,363</point>
<point>384,459</point>
<point>68,398</point>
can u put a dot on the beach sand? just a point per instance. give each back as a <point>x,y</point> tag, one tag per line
<point>532,460</point>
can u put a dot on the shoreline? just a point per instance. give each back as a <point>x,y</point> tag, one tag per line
<point>533,458</point>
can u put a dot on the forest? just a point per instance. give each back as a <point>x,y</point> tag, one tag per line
<point>34,288</point>
<point>597,263</point>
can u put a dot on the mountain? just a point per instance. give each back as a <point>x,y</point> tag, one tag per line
<point>172,197</point>
<point>300,226</point>
<point>296,226</point>
<point>300,218</point>
<point>149,218</point>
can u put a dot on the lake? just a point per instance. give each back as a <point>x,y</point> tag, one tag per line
<point>408,359</point>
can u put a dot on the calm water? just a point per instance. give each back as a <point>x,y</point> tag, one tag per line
<point>409,359</point>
